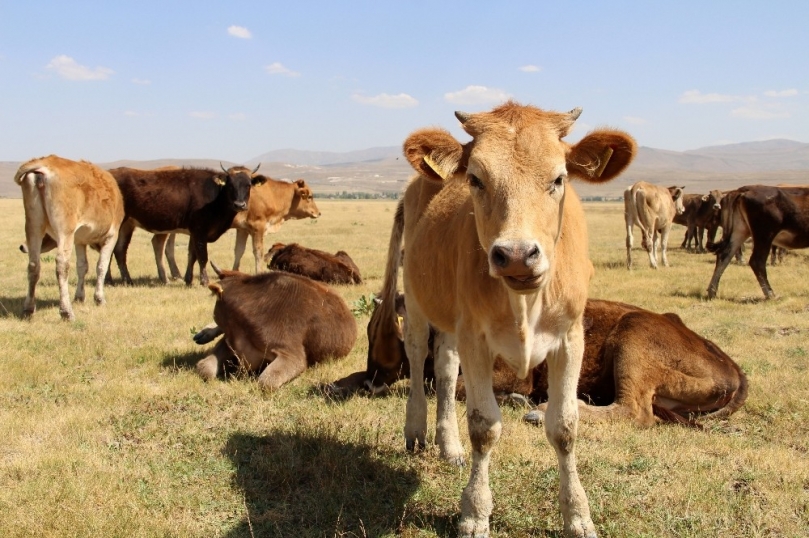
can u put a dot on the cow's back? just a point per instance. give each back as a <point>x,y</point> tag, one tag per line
<point>165,200</point>
<point>73,197</point>
<point>273,310</point>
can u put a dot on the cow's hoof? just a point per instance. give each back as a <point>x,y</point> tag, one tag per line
<point>206,335</point>
<point>582,529</point>
<point>535,417</point>
<point>472,528</point>
<point>457,461</point>
<point>413,445</point>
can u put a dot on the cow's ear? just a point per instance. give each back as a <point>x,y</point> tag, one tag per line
<point>220,180</point>
<point>300,183</point>
<point>705,198</point>
<point>601,155</point>
<point>258,179</point>
<point>678,193</point>
<point>434,154</point>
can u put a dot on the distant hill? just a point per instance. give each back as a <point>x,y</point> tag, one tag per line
<point>321,158</point>
<point>383,169</point>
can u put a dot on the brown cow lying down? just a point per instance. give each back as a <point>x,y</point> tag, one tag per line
<point>282,321</point>
<point>637,364</point>
<point>336,268</point>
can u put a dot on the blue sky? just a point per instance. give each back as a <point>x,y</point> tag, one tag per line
<point>230,80</point>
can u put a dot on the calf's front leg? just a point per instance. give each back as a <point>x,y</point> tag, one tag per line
<point>561,427</point>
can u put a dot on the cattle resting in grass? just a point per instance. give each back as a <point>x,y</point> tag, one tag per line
<point>652,209</point>
<point>270,205</point>
<point>199,200</point>
<point>768,215</point>
<point>276,324</point>
<point>336,268</point>
<point>70,203</point>
<point>638,365</point>
<point>699,212</point>
<point>496,259</point>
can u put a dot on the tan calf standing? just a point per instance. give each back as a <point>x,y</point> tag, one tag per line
<point>73,203</point>
<point>496,259</point>
<point>652,208</point>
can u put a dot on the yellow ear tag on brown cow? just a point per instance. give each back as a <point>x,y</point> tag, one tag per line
<point>216,288</point>
<point>605,159</point>
<point>219,181</point>
<point>399,322</point>
<point>434,167</point>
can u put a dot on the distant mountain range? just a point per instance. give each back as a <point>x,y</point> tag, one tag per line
<point>383,169</point>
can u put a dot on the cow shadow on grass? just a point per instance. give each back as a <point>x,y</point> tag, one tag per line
<point>303,484</point>
<point>185,361</point>
<point>11,307</point>
<point>147,282</point>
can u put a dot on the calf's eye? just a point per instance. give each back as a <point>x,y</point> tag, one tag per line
<point>474,181</point>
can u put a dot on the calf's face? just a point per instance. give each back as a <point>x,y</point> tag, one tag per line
<point>517,168</point>
<point>303,202</point>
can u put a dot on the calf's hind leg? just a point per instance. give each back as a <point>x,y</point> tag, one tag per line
<point>287,365</point>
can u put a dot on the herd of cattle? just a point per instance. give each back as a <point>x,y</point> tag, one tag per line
<point>480,235</point>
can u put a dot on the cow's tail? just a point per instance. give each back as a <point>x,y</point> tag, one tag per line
<point>640,202</point>
<point>726,218</point>
<point>391,279</point>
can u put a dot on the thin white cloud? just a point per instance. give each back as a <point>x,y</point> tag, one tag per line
<point>238,116</point>
<point>759,111</point>
<point>384,100</point>
<point>699,98</point>
<point>240,31</point>
<point>202,115</point>
<point>530,69</point>
<point>634,120</point>
<point>477,95</point>
<point>277,68</point>
<point>67,68</point>
<point>141,81</point>
<point>782,93</point>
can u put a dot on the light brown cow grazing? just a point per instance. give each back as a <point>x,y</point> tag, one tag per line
<point>652,208</point>
<point>496,259</point>
<point>278,322</point>
<point>73,203</point>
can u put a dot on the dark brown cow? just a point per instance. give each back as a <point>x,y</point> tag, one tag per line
<point>277,322</point>
<point>336,268</point>
<point>699,212</point>
<point>270,205</point>
<point>771,216</point>
<point>638,365</point>
<point>199,200</point>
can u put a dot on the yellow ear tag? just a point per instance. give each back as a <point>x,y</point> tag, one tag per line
<point>399,322</point>
<point>434,166</point>
<point>605,159</point>
<point>219,181</point>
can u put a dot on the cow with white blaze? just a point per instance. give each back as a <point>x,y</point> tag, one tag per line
<point>496,258</point>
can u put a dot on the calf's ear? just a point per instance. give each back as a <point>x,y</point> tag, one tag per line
<point>601,155</point>
<point>434,154</point>
<point>258,179</point>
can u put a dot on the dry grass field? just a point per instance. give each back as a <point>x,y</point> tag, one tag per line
<point>106,430</point>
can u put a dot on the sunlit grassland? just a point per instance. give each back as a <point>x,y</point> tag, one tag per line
<point>105,429</point>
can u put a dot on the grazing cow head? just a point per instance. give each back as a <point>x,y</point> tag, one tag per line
<point>677,196</point>
<point>237,181</point>
<point>517,167</point>
<point>303,202</point>
<point>387,362</point>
